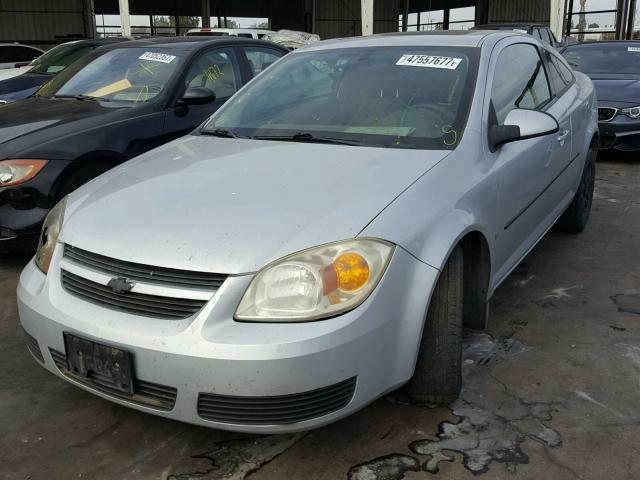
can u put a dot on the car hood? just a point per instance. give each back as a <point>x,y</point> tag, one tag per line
<point>617,91</point>
<point>233,205</point>
<point>26,81</point>
<point>31,115</point>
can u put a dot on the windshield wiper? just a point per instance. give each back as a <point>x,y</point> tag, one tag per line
<point>220,132</point>
<point>83,97</point>
<point>307,137</point>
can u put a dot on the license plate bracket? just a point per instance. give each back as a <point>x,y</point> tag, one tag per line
<point>103,365</point>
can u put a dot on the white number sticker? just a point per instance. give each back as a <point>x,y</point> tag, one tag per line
<point>633,49</point>
<point>157,57</point>
<point>431,61</point>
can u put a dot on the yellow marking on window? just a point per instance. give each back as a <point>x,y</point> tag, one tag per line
<point>448,129</point>
<point>144,91</point>
<point>148,67</point>
<point>213,72</point>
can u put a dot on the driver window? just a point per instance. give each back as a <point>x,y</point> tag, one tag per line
<point>216,70</point>
<point>519,81</point>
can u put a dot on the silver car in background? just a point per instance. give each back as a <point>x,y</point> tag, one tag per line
<point>322,239</point>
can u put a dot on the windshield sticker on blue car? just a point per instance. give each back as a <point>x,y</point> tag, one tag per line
<point>633,49</point>
<point>157,57</point>
<point>431,61</point>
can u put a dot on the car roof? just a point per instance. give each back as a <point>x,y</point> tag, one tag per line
<point>499,26</point>
<point>97,41</point>
<point>220,29</point>
<point>604,42</point>
<point>444,38</point>
<point>187,43</point>
<point>16,44</point>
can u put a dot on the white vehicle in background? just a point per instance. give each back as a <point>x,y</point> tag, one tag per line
<point>232,32</point>
<point>12,53</point>
<point>7,73</point>
<point>292,39</point>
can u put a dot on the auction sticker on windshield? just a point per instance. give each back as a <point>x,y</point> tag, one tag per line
<point>431,61</point>
<point>157,57</point>
<point>633,49</point>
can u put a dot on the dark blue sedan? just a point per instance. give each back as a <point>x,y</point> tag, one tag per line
<point>46,66</point>
<point>614,68</point>
<point>113,104</point>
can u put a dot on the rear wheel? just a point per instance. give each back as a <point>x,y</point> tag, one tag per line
<point>438,375</point>
<point>575,218</point>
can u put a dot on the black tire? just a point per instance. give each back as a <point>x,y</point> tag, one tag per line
<point>438,375</point>
<point>575,217</point>
<point>82,176</point>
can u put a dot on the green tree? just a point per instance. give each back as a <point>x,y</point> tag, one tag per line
<point>169,24</point>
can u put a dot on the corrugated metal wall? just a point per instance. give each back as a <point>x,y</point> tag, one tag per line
<point>39,22</point>
<point>519,11</point>
<point>337,18</point>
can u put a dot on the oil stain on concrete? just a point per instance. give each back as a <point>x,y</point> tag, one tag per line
<point>493,421</point>
<point>238,458</point>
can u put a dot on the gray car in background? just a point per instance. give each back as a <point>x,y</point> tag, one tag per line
<point>322,239</point>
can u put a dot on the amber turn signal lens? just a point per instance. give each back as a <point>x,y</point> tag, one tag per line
<point>352,271</point>
<point>17,171</point>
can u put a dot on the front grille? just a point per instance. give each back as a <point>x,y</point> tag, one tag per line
<point>148,394</point>
<point>276,410</point>
<point>134,303</point>
<point>144,273</point>
<point>606,113</point>
<point>34,348</point>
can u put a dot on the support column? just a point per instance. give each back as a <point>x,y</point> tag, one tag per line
<point>206,14</point>
<point>125,21</point>
<point>366,9</point>
<point>405,15</point>
<point>556,17</point>
<point>89,18</point>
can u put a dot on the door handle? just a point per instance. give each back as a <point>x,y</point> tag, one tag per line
<point>561,138</point>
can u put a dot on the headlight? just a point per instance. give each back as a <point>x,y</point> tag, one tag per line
<point>14,172</point>
<point>49,235</point>
<point>316,283</point>
<point>633,112</point>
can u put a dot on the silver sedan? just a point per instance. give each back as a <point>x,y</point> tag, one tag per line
<point>322,239</point>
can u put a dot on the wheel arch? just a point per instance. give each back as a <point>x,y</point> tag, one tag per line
<point>107,158</point>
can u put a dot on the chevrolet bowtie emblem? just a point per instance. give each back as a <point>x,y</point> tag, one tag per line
<point>120,285</point>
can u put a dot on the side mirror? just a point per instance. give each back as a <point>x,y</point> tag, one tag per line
<point>198,96</point>
<point>522,124</point>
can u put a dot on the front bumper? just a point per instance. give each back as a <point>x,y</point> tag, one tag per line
<point>620,133</point>
<point>209,355</point>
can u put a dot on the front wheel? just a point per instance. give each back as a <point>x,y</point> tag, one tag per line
<point>575,217</point>
<point>438,375</point>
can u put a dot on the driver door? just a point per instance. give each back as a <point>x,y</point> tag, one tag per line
<point>524,167</point>
<point>217,70</point>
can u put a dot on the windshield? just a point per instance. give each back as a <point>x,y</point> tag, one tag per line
<point>59,58</point>
<point>403,97</point>
<point>125,75</point>
<point>605,58</point>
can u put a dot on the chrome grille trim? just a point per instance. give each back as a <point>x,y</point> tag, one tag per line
<point>144,273</point>
<point>606,114</point>
<point>149,394</point>
<point>130,302</point>
<point>276,410</point>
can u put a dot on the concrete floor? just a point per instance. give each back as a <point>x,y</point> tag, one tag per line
<point>551,392</point>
